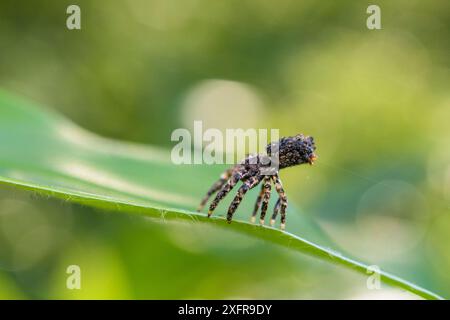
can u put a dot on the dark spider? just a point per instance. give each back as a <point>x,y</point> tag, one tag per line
<point>291,151</point>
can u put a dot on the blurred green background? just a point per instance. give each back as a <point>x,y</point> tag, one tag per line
<point>376,101</point>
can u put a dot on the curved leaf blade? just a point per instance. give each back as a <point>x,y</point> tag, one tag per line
<point>44,152</point>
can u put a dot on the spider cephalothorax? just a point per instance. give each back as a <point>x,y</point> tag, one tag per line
<point>287,152</point>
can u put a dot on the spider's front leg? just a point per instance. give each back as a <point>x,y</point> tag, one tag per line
<point>238,174</point>
<point>215,187</point>
<point>283,200</point>
<point>250,183</point>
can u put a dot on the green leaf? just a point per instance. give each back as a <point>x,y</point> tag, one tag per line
<point>46,153</point>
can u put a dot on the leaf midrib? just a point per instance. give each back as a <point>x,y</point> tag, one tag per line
<point>267,233</point>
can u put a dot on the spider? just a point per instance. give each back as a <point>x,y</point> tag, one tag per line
<point>289,151</point>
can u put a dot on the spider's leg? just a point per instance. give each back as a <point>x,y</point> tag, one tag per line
<point>215,187</point>
<point>248,184</point>
<point>257,204</point>
<point>267,189</point>
<point>238,175</point>
<point>276,209</point>
<point>283,200</point>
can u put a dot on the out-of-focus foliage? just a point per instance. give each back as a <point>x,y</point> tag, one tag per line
<point>43,152</point>
<point>377,102</point>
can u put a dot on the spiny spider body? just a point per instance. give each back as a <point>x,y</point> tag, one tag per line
<point>290,151</point>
